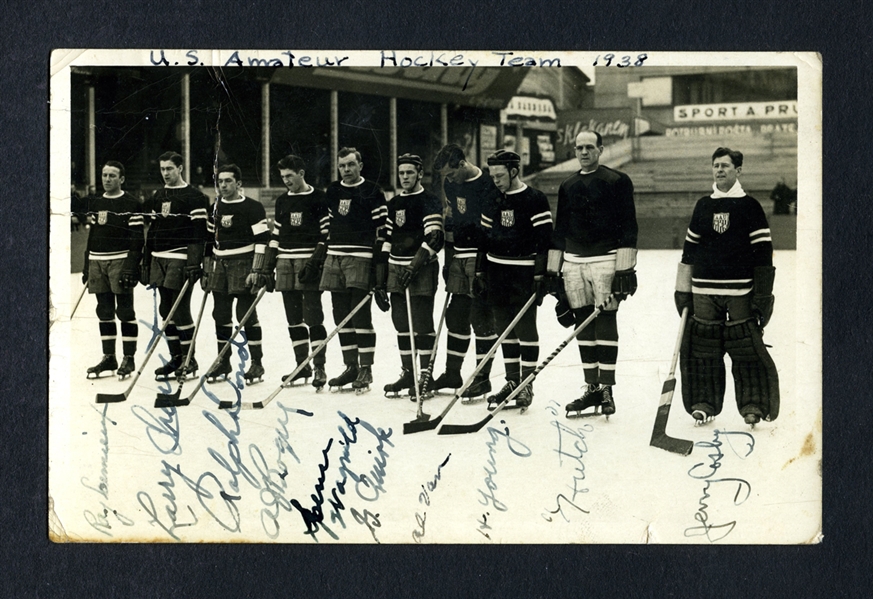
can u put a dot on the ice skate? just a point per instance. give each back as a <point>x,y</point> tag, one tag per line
<point>163,373</point>
<point>319,378</point>
<point>255,373</point>
<point>349,375</point>
<point>404,383</point>
<point>478,390</point>
<point>521,401</point>
<point>591,398</point>
<point>702,416</point>
<point>304,374</point>
<point>752,419</point>
<point>425,385</point>
<point>497,398</point>
<point>126,369</point>
<point>187,372</point>
<point>108,362</point>
<point>607,405</point>
<point>219,372</point>
<point>450,379</point>
<point>365,378</point>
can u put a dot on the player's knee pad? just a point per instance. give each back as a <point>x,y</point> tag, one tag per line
<point>125,312</point>
<point>105,306</point>
<point>458,315</point>
<point>755,377</point>
<point>702,366</point>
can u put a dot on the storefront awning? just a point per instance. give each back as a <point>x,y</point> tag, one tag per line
<point>468,86</point>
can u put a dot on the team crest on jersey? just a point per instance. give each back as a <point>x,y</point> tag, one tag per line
<point>102,217</point>
<point>400,217</point>
<point>295,218</point>
<point>462,205</point>
<point>165,208</point>
<point>507,218</point>
<point>721,221</point>
<point>227,220</point>
<point>344,206</point>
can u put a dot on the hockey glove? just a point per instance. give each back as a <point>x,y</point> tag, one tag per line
<point>207,269</point>
<point>762,294</point>
<point>624,282</point>
<point>540,282</point>
<point>260,275</point>
<point>193,272</point>
<point>145,269</point>
<point>407,273</point>
<point>382,300</point>
<point>380,280</point>
<point>86,269</point>
<point>563,312</point>
<point>684,299</point>
<point>193,268</point>
<point>311,272</point>
<point>130,271</point>
<point>449,252</point>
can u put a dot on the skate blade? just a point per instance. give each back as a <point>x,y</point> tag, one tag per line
<point>468,401</point>
<point>362,390</point>
<point>122,377</point>
<point>342,389</point>
<point>97,375</point>
<point>254,381</point>
<point>319,389</point>
<point>581,414</point>
<point>217,379</point>
<point>704,421</point>
<point>492,407</point>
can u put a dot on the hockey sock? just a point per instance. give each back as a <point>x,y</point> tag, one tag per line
<point>317,335</point>
<point>405,350</point>
<point>186,336</point>
<point>299,341</point>
<point>129,333</point>
<point>108,332</point>
<point>483,346</point>
<point>424,347</point>
<point>253,337</point>
<point>606,333</point>
<point>586,340</point>
<point>511,359</point>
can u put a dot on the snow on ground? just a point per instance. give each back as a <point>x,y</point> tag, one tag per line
<point>337,467</point>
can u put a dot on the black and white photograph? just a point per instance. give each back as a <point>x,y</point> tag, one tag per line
<point>435,297</point>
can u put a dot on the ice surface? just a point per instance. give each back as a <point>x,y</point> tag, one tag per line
<point>133,473</point>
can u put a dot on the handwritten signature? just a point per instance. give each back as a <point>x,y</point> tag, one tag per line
<point>707,470</point>
<point>424,498</point>
<point>575,453</point>
<point>489,497</point>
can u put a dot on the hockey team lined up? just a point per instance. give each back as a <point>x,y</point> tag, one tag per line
<point>502,253</point>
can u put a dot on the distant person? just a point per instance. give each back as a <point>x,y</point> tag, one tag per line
<point>75,207</point>
<point>725,280</point>
<point>783,197</point>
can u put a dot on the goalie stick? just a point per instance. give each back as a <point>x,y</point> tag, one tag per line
<point>456,429</point>
<point>166,400</point>
<point>660,438</point>
<point>417,426</point>
<point>119,397</point>
<point>259,405</point>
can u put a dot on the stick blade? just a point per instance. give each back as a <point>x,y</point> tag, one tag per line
<point>225,405</point>
<point>671,444</point>
<point>460,429</point>
<point>257,405</point>
<point>166,400</point>
<point>417,426</point>
<point>111,397</point>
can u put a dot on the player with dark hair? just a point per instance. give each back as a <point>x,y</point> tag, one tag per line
<point>596,237</point>
<point>511,265</point>
<point>468,190</point>
<point>298,250</point>
<point>175,242</point>
<point>235,267</point>
<point>414,236</point>
<point>112,258</point>
<point>725,280</point>
<point>357,211</point>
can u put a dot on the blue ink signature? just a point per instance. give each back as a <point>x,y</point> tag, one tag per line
<point>100,520</point>
<point>424,498</point>
<point>517,448</point>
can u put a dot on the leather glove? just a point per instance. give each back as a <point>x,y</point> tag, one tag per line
<point>624,284</point>
<point>684,299</point>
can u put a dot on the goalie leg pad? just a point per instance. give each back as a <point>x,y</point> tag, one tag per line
<point>702,367</point>
<point>755,377</point>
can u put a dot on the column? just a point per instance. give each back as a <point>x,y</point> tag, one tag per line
<point>91,142</point>
<point>186,125</point>
<point>265,134</point>
<point>334,133</point>
<point>392,135</point>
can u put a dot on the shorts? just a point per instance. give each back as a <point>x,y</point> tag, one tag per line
<point>287,270</point>
<point>589,283</point>
<point>168,273</point>
<point>461,274</point>
<point>345,272</point>
<point>424,283</point>
<point>105,276</point>
<point>228,275</point>
<point>508,285</point>
<point>718,309</point>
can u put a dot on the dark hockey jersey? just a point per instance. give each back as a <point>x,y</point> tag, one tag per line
<point>356,218</point>
<point>518,226</point>
<point>726,240</point>
<point>595,215</point>
<point>466,202</point>
<point>301,222</point>
<point>116,226</point>
<point>178,219</point>
<point>413,218</point>
<point>238,226</point>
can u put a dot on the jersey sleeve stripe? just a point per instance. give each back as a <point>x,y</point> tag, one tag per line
<point>260,227</point>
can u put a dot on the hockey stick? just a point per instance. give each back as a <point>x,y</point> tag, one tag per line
<point>428,373</point>
<point>79,301</point>
<point>119,397</point>
<point>259,405</point>
<point>660,438</point>
<point>418,398</point>
<point>184,402</point>
<point>416,426</point>
<point>166,400</point>
<point>455,429</point>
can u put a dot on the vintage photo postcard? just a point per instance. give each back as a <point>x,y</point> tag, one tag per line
<point>435,297</point>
